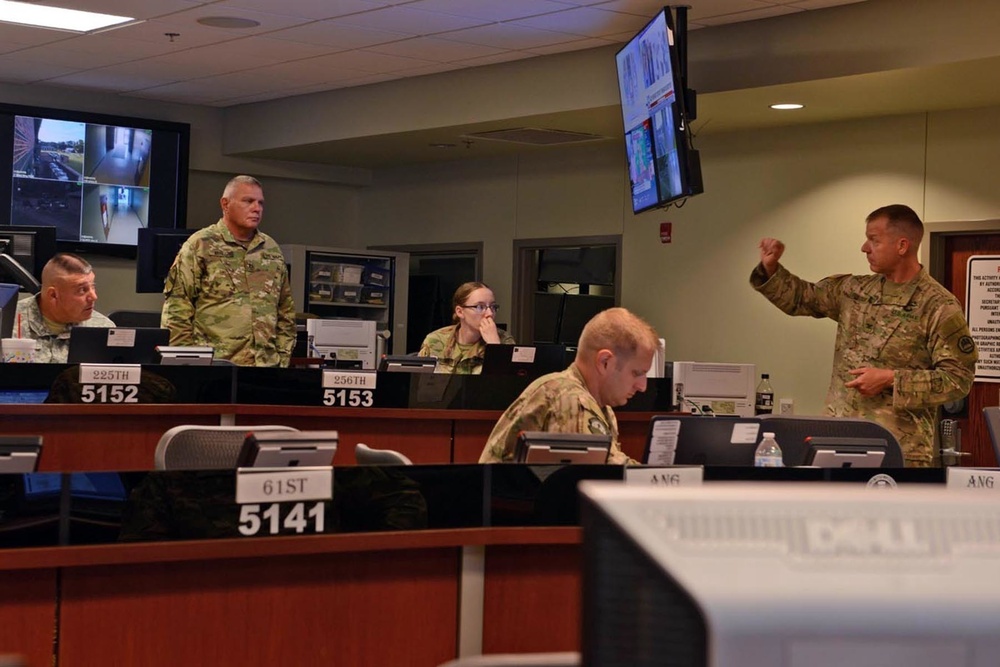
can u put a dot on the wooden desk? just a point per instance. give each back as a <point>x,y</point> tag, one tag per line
<point>123,437</point>
<point>359,599</point>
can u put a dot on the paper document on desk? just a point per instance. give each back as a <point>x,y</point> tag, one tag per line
<point>663,442</point>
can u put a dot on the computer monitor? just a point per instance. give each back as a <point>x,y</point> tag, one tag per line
<point>524,360</point>
<point>700,440</point>
<point>826,452</point>
<point>156,249</point>
<point>578,309</point>
<point>545,447</point>
<point>20,453</point>
<point>117,345</point>
<point>283,449</point>
<point>404,363</point>
<point>31,245</point>
<point>8,308</point>
<point>788,575</point>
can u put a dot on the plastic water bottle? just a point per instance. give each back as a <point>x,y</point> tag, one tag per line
<point>765,396</point>
<point>768,454</point>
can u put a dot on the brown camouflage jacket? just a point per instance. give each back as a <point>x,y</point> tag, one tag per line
<point>917,329</point>
<point>557,403</point>
<point>235,299</point>
<point>452,356</point>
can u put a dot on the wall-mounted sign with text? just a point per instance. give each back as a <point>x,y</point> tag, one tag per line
<point>982,310</point>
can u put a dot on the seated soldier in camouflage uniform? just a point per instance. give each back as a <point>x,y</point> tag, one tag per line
<point>228,287</point>
<point>460,347</point>
<point>614,354</point>
<point>66,300</point>
<point>903,345</point>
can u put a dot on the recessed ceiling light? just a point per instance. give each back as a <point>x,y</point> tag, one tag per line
<point>441,145</point>
<point>231,22</point>
<point>786,106</point>
<point>57,18</point>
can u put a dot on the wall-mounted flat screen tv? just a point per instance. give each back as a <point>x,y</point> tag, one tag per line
<point>662,166</point>
<point>96,178</point>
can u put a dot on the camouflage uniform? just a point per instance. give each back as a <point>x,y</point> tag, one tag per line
<point>557,403</point>
<point>51,347</point>
<point>454,357</point>
<point>916,329</point>
<point>236,299</point>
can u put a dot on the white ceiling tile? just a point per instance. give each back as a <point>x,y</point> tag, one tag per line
<point>103,79</point>
<point>509,36</point>
<point>189,33</point>
<point>408,21</point>
<point>328,33</point>
<point>713,9</point>
<point>50,55</point>
<point>489,10</point>
<point>268,21</point>
<point>26,36</point>
<point>129,49</point>
<point>821,4</point>
<point>15,69</point>
<point>191,92</point>
<point>586,22</point>
<point>141,9</point>
<point>310,9</point>
<point>505,57</point>
<point>220,58</point>
<point>579,45</point>
<point>433,48</point>
<point>371,62</point>
<point>751,15</point>
<point>283,50</point>
<point>647,8</point>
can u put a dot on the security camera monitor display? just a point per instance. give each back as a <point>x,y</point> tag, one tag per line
<point>97,180</point>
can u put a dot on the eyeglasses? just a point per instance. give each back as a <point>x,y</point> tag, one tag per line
<point>482,307</point>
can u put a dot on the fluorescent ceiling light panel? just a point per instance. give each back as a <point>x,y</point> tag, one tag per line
<point>56,18</point>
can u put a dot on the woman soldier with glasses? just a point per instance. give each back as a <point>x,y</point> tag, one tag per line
<point>459,347</point>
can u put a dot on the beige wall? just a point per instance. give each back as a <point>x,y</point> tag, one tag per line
<point>811,186</point>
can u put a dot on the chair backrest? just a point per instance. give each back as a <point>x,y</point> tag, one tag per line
<point>192,447</point>
<point>992,415</point>
<point>792,431</point>
<point>366,456</point>
<point>135,318</point>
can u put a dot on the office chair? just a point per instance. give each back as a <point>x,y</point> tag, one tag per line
<point>135,318</point>
<point>792,431</point>
<point>992,415</point>
<point>192,447</point>
<point>564,659</point>
<point>366,456</point>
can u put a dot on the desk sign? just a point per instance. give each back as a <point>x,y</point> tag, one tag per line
<point>110,383</point>
<point>281,500</point>
<point>664,476</point>
<point>986,480</point>
<point>349,389</point>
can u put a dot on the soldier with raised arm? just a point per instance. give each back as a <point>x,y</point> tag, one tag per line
<point>903,344</point>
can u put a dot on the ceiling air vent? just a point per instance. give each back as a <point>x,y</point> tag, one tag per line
<point>535,136</point>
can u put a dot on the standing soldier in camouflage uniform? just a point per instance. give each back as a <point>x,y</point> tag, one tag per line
<point>903,344</point>
<point>614,354</point>
<point>228,287</point>
<point>66,300</point>
<point>460,347</point>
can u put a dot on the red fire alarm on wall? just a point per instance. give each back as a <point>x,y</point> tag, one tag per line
<point>665,230</point>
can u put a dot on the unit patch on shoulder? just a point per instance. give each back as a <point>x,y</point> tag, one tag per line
<point>966,345</point>
<point>597,426</point>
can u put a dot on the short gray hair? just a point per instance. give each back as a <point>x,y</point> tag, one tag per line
<point>240,180</point>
